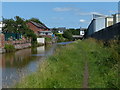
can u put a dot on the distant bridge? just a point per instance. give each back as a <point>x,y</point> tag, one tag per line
<point>77,36</point>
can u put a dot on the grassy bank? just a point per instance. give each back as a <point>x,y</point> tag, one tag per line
<point>9,48</point>
<point>65,69</point>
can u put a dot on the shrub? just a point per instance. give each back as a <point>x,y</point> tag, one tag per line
<point>68,35</point>
<point>48,39</point>
<point>60,38</point>
<point>9,48</point>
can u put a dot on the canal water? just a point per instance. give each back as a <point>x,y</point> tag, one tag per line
<point>23,62</point>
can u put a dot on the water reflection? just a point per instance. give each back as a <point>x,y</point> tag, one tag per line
<point>64,43</point>
<point>20,63</point>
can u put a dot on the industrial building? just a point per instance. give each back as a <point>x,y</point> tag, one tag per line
<point>100,22</point>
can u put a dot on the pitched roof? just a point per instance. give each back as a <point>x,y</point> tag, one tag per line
<point>39,25</point>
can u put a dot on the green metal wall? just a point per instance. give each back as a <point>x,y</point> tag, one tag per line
<point>13,35</point>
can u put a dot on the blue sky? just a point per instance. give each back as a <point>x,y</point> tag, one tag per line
<point>59,14</point>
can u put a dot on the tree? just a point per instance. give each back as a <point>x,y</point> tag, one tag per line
<point>9,25</point>
<point>18,25</point>
<point>35,20</point>
<point>67,34</point>
<point>74,31</point>
<point>54,30</point>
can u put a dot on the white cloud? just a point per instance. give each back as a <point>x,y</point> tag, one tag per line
<point>113,11</point>
<point>57,18</point>
<point>82,20</point>
<point>59,9</point>
<point>65,9</point>
<point>89,13</point>
<point>75,10</point>
<point>96,13</point>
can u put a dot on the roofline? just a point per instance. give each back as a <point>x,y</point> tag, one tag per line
<point>90,23</point>
<point>40,24</point>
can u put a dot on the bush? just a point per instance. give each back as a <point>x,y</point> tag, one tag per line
<point>9,48</point>
<point>60,38</point>
<point>48,39</point>
<point>68,35</point>
<point>103,64</point>
<point>65,69</point>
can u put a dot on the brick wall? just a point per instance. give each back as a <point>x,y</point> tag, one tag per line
<point>2,40</point>
<point>34,28</point>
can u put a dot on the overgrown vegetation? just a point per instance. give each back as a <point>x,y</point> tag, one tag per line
<point>103,63</point>
<point>60,38</point>
<point>18,25</point>
<point>47,39</point>
<point>67,34</point>
<point>65,68</point>
<point>35,20</point>
<point>9,48</point>
<point>61,70</point>
<point>74,31</point>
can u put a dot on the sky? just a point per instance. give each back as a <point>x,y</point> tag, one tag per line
<point>59,14</point>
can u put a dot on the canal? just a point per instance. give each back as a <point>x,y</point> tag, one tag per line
<point>23,62</point>
<point>18,64</point>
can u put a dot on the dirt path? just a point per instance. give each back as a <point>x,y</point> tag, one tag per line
<point>86,74</point>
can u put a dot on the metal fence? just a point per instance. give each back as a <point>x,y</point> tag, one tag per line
<point>13,36</point>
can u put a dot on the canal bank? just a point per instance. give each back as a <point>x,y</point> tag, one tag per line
<point>66,68</point>
<point>18,64</point>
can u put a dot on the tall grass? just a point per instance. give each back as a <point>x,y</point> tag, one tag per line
<point>62,70</point>
<point>9,48</point>
<point>66,67</point>
<point>103,63</point>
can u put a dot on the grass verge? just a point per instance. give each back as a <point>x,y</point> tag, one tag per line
<point>65,68</point>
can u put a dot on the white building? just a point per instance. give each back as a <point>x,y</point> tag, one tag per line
<point>0,27</point>
<point>108,21</point>
<point>42,33</point>
<point>100,22</point>
<point>116,18</point>
<point>61,30</point>
<point>82,31</point>
<point>96,25</point>
<point>41,40</point>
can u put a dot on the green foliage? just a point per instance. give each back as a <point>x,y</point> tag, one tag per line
<point>67,34</point>
<point>62,70</point>
<point>74,31</point>
<point>60,38</point>
<point>9,48</point>
<point>10,25</point>
<point>19,26</point>
<point>65,68</point>
<point>103,64</point>
<point>47,39</point>
<point>35,20</point>
<point>54,30</point>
